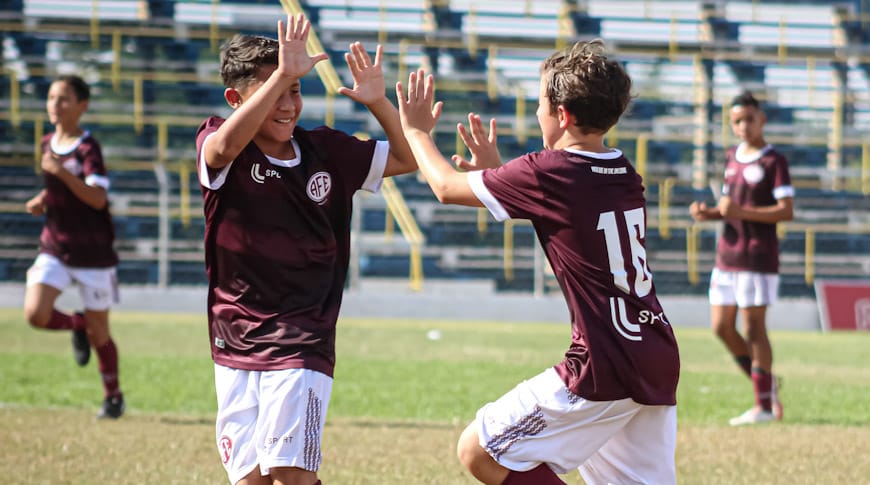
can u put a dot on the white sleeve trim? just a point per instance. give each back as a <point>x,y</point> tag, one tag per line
<point>97,180</point>
<point>783,191</point>
<point>221,176</point>
<point>475,181</point>
<point>375,177</point>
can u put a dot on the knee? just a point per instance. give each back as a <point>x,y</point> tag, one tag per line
<point>469,452</point>
<point>36,318</point>
<point>722,330</point>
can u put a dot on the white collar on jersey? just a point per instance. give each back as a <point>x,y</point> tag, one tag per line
<point>742,158</point>
<point>66,150</point>
<point>287,163</point>
<point>613,154</point>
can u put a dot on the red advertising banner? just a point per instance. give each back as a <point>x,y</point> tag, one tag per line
<point>844,304</point>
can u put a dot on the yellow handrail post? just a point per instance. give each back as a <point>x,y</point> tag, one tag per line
<point>116,60</point>
<point>673,47</point>
<point>382,23</point>
<point>138,105</point>
<point>389,225</point>
<point>403,63</point>
<point>641,154</point>
<point>481,220</point>
<point>491,72</point>
<point>162,141</point>
<point>184,193</point>
<point>665,187</point>
<point>213,29</point>
<point>95,24</point>
<point>15,99</point>
<point>398,209</point>
<point>508,261</point>
<point>329,115</point>
<point>692,253</point>
<point>38,133</point>
<point>809,257</point>
<point>521,129</point>
<point>811,81</point>
<point>726,125</point>
<point>613,137</point>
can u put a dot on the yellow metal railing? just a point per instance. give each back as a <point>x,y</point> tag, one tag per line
<point>408,225</point>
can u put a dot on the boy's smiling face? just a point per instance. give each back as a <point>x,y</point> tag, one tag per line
<point>277,128</point>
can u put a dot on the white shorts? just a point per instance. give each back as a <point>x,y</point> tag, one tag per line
<point>743,288</point>
<point>97,286</point>
<point>540,421</point>
<point>270,418</point>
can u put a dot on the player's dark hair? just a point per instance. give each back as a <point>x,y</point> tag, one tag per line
<point>78,85</point>
<point>594,89</point>
<point>745,99</point>
<point>242,56</point>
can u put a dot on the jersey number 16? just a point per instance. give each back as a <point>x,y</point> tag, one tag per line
<point>635,224</point>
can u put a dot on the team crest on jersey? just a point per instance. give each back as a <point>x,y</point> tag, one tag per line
<point>72,166</point>
<point>753,174</point>
<point>318,187</point>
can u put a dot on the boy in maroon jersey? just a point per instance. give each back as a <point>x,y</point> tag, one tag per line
<point>609,407</point>
<point>76,240</point>
<point>756,194</point>
<point>278,202</point>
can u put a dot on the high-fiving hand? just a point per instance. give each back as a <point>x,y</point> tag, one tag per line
<point>368,77</point>
<point>417,111</point>
<point>483,146</point>
<point>293,59</point>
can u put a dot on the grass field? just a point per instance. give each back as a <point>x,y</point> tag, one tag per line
<point>400,401</point>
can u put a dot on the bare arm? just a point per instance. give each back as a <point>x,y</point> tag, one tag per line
<point>783,210</point>
<point>293,62</point>
<point>94,197</point>
<point>418,117</point>
<point>369,89</point>
<point>700,212</point>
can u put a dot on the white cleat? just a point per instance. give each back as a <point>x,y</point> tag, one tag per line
<point>752,416</point>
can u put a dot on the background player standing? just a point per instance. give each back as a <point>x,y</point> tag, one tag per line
<point>609,408</point>
<point>77,238</point>
<point>756,194</point>
<point>278,203</point>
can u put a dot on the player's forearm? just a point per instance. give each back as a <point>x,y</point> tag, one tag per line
<point>242,125</point>
<point>388,117</point>
<point>445,182</point>
<point>94,197</point>
<point>769,214</point>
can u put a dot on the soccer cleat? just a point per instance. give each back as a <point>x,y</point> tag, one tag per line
<point>752,416</point>
<point>113,407</point>
<point>81,345</point>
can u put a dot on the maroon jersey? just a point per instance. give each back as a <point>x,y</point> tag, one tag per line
<point>589,214</point>
<point>277,247</point>
<point>74,232</point>
<point>756,181</point>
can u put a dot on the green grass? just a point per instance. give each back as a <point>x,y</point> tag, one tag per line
<point>395,385</point>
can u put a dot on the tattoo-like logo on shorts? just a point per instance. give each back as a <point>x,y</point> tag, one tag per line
<point>225,445</point>
<point>318,187</point>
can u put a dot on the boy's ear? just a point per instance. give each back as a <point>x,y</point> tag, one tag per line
<point>566,119</point>
<point>233,97</point>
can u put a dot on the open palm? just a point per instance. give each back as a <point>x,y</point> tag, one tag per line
<point>293,59</point>
<point>368,77</point>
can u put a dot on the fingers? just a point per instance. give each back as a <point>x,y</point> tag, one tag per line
<point>296,28</point>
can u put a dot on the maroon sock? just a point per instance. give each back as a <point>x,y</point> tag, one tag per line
<point>762,383</point>
<point>62,321</point>
<point>540,475</point>
<point>745,363</point>
<point>107,354</point>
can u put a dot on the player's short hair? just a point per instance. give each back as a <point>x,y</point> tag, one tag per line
<point>594,89</point>
<point>78,85</point>
<point>242,56</point>
<point>745,99</point>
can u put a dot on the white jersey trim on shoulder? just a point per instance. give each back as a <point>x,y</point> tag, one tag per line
<point>204,178</point>
<point>66,150</point>
<point>375,177</point>
<point>475,181</point>
<point>741,157</point>
<point>613,154</point>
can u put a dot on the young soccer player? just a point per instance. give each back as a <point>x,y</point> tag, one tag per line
<point>277,201</point>
<point>756,194</point>
<point>76,240</point>
<point>609,407</point>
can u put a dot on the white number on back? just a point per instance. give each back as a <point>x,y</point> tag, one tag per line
<point>636,226</point>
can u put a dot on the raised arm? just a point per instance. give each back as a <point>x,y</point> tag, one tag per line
<point>369,90</point>
<point>241,126</point>
<point>419,116</point>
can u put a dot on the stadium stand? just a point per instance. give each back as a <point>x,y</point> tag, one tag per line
<point>153,65</point>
